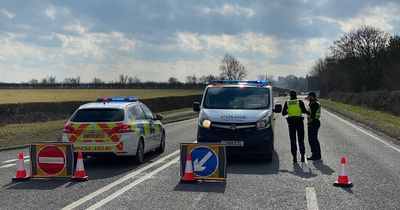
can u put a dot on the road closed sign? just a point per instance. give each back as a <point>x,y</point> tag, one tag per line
<point>209,160</point>
<point>51,159</point>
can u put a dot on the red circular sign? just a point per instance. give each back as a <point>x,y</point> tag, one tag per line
<point>51,160</point>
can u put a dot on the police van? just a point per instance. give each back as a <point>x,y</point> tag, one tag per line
<point>239,113</point>
<point>118,125</point>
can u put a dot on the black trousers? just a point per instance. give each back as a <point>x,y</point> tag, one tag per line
<point>313,128</point>
<point>296,126</point>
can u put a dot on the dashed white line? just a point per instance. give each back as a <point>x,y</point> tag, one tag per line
<point>14,160</point>
<point>363,131</point>
<point>131,185</point>
<point>311,197</point>
<point>11,164</point>
<point>117,182</point>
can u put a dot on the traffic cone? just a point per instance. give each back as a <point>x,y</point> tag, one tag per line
<point>343,178</point>
<point>188,176</point>
<point>20,175</point>
<point>80,174</point>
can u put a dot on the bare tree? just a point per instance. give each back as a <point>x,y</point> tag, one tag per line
<point>173,80</point>
<point>191,79</point>
<point>96,80</point>
<point>33,81</point>
<point>207,78</point>
<point>71,80</point>
<point>51,80</point>
<point>122,79</point>
<point>231,68</point>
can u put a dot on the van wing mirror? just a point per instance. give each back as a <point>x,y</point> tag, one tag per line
<point>158,117</point>
<point>278,108</point>
<point>196,106</point>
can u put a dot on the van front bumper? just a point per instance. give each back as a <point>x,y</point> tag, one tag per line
<point>255,142</point>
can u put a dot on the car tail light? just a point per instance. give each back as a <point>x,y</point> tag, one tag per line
<point>124,128</point>
<point>69,129</point>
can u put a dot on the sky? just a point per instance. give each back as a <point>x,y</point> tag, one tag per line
<point>155,40</point>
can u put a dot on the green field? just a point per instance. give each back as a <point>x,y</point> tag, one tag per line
<point>381,121</point>
<point>50,95</point>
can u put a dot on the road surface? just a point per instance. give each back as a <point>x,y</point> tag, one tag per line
<point>116,183</point>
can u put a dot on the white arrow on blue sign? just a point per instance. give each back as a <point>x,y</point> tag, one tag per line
<point>205,161</point>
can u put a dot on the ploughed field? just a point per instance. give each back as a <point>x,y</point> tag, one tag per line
<point>11,96</point>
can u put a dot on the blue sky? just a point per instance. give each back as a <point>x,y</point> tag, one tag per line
<point>155,40</point>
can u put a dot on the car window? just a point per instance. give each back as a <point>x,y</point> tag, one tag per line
<point>98,115</point>
<point>147,112</point>
<point>136,113</point>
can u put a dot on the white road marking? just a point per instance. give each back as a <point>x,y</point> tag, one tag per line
<point>117,182</point>
<point>311,199</point>
<point>131,185</point>
<point>305,167</point>
<point>8,165</point>
<point>14,160</point>
<point>11,164</point>
<point>362,130</point>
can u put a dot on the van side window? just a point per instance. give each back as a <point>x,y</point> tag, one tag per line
<point>147,112</point>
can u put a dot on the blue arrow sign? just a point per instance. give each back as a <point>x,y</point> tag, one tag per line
<point>205,161</point>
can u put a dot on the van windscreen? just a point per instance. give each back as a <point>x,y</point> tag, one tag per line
<point>236,98</point>
<point>98,115</point>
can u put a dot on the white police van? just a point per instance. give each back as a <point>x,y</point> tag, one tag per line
<point>239,113</point>
<point>118,125</point>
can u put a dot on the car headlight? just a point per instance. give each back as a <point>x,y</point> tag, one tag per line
<point>262,124</point>
<point>205,123</point>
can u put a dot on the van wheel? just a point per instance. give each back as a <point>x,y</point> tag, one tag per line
<point>266,158</point>
<point>138,158</point>
<point>161,148</point>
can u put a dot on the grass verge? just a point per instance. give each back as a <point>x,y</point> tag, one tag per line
<point>21,134</point>
<point>51,95</point>
<point>384,122</point>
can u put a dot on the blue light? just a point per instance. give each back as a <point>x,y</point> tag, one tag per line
<point>255,82</point>
<point>118,99</point>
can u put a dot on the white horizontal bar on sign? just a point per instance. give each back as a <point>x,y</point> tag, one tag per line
<point>51,160</point>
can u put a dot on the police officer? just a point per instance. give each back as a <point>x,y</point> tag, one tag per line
<point>313,122</point>
<point>295,107</point>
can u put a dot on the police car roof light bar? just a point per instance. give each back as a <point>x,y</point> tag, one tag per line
<point>118,99</point>
<point>255,82</point>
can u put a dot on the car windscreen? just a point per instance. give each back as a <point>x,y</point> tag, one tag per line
<point>98,115</point>
<point>237,98</point>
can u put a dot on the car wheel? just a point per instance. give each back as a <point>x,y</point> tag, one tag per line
<point>161,148</point>
<point>140,152</point>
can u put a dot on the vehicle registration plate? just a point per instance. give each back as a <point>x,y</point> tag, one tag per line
<point>233,143</point>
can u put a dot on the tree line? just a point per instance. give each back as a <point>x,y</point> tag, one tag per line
<point>365,59</point>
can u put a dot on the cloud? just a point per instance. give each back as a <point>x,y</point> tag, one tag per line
<point>381,16</point>
<point>8,14</point>
<point>52,12</point>
<point>228,10</point>
<point>250,42</point>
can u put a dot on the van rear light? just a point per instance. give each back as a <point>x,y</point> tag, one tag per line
<point>124,128</point>
<point>68,129</point>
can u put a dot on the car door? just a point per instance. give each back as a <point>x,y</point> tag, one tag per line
<point>150,127</point>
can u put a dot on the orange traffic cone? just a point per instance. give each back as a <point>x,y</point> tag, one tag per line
<point>188,176</point>
<point>343,178</point>
<point>20,175</point>
<point>80,174</point>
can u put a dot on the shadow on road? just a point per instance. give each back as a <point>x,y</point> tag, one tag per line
<point>325,169</point>
<point>252,165</point>
<point>37,184</point>
<point>298,171</point>
<point>213,187</point>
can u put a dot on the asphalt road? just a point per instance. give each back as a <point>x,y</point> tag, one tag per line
<point>116,183</point>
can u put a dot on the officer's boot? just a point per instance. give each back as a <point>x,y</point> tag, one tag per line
<point>303,158</point>
<point>294,158</point>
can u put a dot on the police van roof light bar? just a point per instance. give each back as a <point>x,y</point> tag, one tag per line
<point>255,82</point>
<point>118,99</point>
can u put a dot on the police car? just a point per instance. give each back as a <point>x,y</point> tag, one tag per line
<point>120,126</point>
<point>239,113</point>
